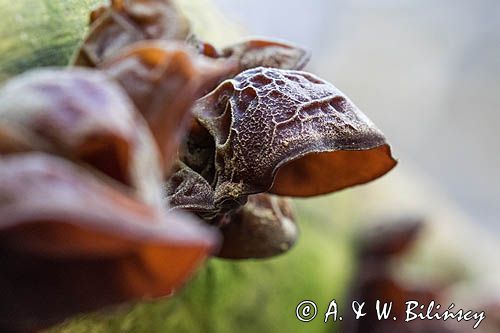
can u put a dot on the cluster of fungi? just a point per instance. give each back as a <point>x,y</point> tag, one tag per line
<point>120,174</point>
<point>379,248</point>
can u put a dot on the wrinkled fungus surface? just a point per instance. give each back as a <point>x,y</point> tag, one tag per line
<point>290,133</point>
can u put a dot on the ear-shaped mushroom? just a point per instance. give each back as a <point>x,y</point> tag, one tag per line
<point>163,79</point>
<point>188,190</point>
<point>71,242</point>
<point>375,280</point>
<point>260,52</point>
<point>127,21</point>
<point>82,115</point>
<point>390,239</point>
<point>289,133</point>
<point>190,187</point>
<point>267,53</point>
<point>263,228</point>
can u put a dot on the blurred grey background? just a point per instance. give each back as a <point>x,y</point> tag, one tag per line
<point>426,72</point>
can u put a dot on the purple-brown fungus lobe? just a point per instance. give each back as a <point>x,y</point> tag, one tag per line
<point>289,133</point>
<point>267,53</point>
<point>84,116</point>
<point>72,238</point>
<point>163,79</point>
<point>80,198</point>
<point>257,52</point>
<point>379,250</point>
<point>187,189</point>
<point>390,239</point>
<point>125,22</point>
<point>262,228</point>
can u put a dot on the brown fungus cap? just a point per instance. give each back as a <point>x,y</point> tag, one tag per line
<point>267,53</point>
<point>163,79</point>
<point>289,133</point>
<point>186,189</point>
<point>379,249</point>
<point>82,223</point>
<point>264,227</point>
<point>390,239</point>
<point>81,115</point>
<point>258,52</point>
<point>127,21</point>
<point>75,239</point>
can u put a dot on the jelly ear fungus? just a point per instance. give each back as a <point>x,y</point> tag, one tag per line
<point>264,227</point>
<point>83,224</point>
<point>84,116</point>
<point>289,133</point>
<point>283,132</point>
<point>257,52</point>
<point>72,243</point>
<point>125,22</point>
<point>163,79</point>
